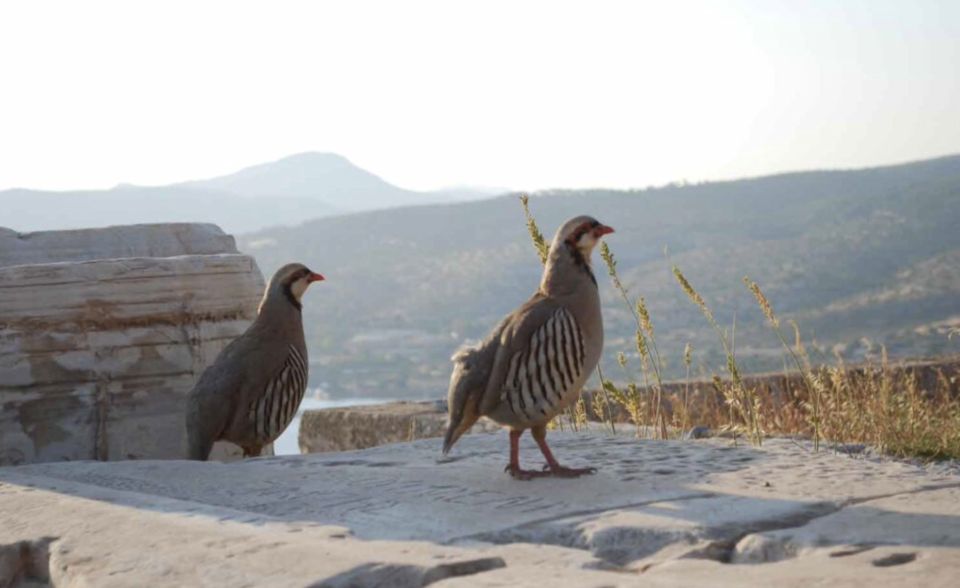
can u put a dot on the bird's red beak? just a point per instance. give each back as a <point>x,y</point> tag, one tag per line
<point>315,278</point>
<point>601,231</point>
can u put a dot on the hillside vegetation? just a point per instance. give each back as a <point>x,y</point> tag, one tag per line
<point>859,258</point>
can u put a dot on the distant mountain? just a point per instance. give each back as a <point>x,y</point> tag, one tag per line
<point>34,210</point>
<point>285,192</point>
<point>324,177</point>
<point>860,258</point>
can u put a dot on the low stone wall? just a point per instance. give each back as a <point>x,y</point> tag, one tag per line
<point>359,427</point>
<point>103,333</point>
<point>934,374</point>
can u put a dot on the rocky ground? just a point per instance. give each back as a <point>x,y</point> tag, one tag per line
<point>657,513</point>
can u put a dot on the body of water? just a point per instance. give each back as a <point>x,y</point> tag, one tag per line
<point>287,444</point>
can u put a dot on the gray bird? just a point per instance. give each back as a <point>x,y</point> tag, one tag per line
<point>254,387</point>
<point>534,363</point>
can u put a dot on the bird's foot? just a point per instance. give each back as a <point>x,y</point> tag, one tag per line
<point>565,472</point>
<point>518,473</point>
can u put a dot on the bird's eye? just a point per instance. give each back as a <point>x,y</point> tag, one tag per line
<point>594,224</point>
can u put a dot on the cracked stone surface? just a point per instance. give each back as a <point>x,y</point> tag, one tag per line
<point>912,519</point>
<point>660,513</point>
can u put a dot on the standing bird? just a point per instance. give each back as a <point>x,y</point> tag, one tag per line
<point>253,389</point>
<point>534,363</point>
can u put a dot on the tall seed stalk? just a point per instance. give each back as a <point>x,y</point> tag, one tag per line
<point>645,339</point>
<point>800,357</point>
<point>744,401</point>
<point>687,361</point>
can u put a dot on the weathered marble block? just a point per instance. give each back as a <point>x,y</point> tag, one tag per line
<point>97,356</point>
<point>156,240</point>
<point>360,427</point>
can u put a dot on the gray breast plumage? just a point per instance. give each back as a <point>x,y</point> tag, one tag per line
<point>273,410</point>
<point>541,377</point>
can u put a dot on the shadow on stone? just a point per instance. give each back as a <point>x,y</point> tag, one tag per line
<point>401,576</point>
<point>894,559</point>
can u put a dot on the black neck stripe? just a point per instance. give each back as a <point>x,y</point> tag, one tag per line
<point>293,299</point>
<point>580,261</point>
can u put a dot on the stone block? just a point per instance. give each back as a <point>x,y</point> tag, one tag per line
<point>360,427</point>
<point>98,355</point>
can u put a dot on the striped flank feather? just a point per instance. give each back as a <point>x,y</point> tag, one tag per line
<point>275,408</point>
<point>539,377</point>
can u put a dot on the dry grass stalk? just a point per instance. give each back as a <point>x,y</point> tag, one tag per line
<point>539,243</point>
<point>742,400</point>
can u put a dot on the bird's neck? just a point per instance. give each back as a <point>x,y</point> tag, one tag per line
<point>278,313</point>
<point>568,270</point>
<point>288,294</point>
<point>278,299</point>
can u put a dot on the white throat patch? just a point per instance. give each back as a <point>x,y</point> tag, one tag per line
<point>298,288</point>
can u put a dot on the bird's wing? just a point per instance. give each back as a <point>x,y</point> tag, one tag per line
<point>214,398</point>
<point>238,375</point>
<point>272,409</point>
<point>540,357</point>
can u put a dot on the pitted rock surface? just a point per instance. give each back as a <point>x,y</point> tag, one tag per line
<point>660,513</point>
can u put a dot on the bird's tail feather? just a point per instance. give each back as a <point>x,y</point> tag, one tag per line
<point>450,438</point>
<point>199,441</point>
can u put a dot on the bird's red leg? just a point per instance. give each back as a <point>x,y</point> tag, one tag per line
<point>514,466</point>
<point>540,436</point>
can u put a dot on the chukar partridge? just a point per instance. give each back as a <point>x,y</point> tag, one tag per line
<point>534,363</point>
<point>254,387</point>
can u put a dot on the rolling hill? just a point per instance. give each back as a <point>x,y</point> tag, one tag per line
<point>860,258</point>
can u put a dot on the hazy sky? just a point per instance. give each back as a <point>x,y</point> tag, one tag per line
<point>516,94</point>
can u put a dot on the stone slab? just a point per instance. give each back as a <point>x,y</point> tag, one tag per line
<point>913,520</point>
<point>657,513</point>
<point>72,535</point>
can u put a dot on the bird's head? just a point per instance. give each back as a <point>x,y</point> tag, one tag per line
<point>570,254</point>
<point>581,233</point>
<point>289,283</point>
